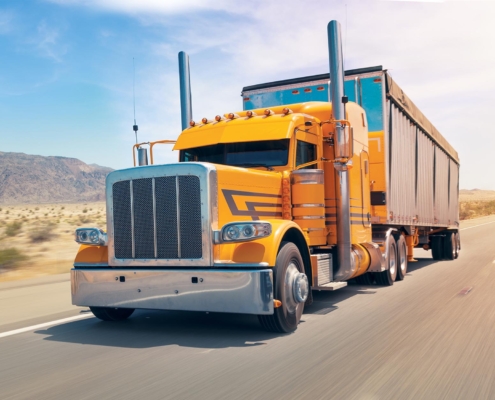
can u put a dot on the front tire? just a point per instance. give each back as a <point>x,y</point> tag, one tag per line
<point>288,266</point>
<point>111,314</point>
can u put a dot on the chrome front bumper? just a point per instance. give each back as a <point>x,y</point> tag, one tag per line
<point>232,291</point>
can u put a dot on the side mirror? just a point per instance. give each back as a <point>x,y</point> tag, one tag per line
<point>344,141</point>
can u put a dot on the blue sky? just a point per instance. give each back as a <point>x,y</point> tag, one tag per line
<point>66,67</point>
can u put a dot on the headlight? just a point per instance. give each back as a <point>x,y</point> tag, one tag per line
<point>92,236</point>
<point>243,231</point>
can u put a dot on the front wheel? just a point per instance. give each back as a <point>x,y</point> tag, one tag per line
<point>291,287</point>
<point>111,314</point>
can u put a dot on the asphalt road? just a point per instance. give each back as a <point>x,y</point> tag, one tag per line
<point>431,336</point>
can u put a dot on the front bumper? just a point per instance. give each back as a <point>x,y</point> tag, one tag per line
<point>232,291</point>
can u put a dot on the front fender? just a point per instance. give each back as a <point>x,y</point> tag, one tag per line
<point>262,251</point>
<point>91,255</point>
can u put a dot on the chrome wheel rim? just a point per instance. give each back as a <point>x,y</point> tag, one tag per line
<point>290,275</point>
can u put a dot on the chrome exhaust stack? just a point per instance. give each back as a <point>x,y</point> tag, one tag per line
<point>346,258</point>
<point>185,90</point>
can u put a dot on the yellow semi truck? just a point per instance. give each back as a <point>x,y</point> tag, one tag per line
<point>302,190</point>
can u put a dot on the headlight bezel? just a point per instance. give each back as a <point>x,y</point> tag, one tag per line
<point>239,231</point>
<point>91,236</point>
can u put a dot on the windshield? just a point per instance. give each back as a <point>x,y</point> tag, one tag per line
<point>268,153</point>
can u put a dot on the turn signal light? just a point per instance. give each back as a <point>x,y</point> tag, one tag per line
<point>277,303</point>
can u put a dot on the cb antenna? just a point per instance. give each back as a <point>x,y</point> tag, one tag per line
<point>134,127</point>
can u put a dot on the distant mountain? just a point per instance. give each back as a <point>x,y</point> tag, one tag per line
<point>36,179</point>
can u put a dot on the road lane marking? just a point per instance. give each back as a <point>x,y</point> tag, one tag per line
<point>463,229</point>
<point>44,325</point>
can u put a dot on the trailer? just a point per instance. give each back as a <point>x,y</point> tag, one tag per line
<point>317,181</point>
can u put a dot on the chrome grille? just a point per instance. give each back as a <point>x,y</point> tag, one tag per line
<point>158,218</point>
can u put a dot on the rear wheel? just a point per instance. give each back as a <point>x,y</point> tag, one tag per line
<point>449,246</point>
<point>401,258</point>
<point>111,314</point>
<point>458,244</point>
<point>387,277</point>
<point>436,244</point>
<point>291,287</point>
<point>365,279</point>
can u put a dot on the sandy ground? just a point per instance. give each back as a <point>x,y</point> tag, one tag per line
<point>54,253</point>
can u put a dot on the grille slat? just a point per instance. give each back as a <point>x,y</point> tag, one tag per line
<point>190,217</point>
<point>152,219</point>
<point>166,217</point>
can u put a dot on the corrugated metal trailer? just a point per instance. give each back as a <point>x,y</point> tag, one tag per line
<point>414,171</point>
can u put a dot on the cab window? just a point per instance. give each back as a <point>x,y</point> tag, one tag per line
<point>305,152</point>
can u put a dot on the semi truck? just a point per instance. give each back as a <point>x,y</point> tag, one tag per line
<point>317,181</point>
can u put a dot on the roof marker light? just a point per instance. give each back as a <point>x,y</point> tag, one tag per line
<point>219,118</point>
<point>286,111</point>
<point>192,123</point>
<point>269,112</point>
<point>233,116</point>
<point>250,114</point>
<point>206,121</point>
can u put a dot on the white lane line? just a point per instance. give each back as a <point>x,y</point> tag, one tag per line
<point>463,229</point>
<point>39,326</point>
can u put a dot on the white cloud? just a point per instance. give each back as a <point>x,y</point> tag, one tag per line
<point>6,22</point>
<point>148,6</point>
<point>47,42</point>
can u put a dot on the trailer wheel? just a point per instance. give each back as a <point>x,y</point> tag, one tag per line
<point>436,244</point>
<point>387,277</point>
<point>291,287</point>
<point>450,246</point>
<point>401,258</point>
<point>457,244</point>
<point>111,314</point>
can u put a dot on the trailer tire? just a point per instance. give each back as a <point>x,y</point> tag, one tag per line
<point>111,314</point>
<point>387,277</point>
<point>436,244</point>
<point>450,246</point>
<point>286,317</point>
<point>457,244</point>
<point>401,258</point>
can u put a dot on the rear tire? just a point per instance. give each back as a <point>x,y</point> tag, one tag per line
<point>286,317</point>
<point>111,314</point>
<point>436,244</point>
<point>458,244</point>
<point>365,279</point>
<point>450,246</point>
<point>401,258</point>
<point>387,277</point>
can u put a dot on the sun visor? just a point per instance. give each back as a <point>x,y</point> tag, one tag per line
<point>243,129</point>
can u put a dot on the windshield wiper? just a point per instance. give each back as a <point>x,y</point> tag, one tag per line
<point>253,165</point>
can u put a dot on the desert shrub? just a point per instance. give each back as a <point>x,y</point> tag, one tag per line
<point>42,233</point>
<point>85,210</point>
<point>13,228</point>
<point>62,208</point>
<point>36,208</point>
<point>474,209</point>
<point>7,212</point>
<point>84,219</point>
<point>10,257</point>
